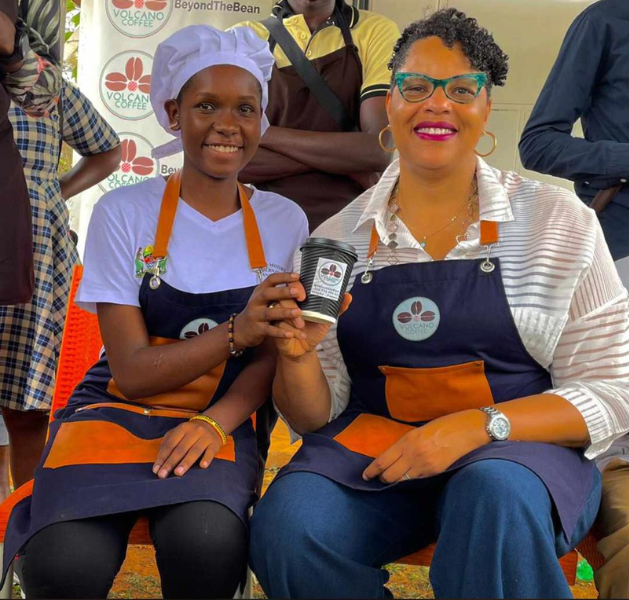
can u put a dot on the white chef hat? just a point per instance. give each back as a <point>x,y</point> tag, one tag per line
<point>195,48</point>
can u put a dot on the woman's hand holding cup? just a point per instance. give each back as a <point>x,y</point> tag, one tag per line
<point>272,301</point>
<point>326,268</point>
<point>298,345</point>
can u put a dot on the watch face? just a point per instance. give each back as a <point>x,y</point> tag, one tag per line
<point>500,428</point>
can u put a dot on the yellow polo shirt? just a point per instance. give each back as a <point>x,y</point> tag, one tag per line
<point>373,34</point>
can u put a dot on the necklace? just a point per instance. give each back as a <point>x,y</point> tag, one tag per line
<point>393,224</point>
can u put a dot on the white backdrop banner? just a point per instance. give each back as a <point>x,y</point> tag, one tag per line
<point>117,43</point>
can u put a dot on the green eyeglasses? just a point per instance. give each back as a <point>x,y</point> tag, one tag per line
<point>462,89</point>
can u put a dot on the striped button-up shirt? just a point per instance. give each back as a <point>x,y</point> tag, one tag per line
<point>567,301</point>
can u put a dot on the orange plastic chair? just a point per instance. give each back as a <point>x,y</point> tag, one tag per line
<point>80,347</point>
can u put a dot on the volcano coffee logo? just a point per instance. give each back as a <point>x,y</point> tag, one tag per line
<point>331,273</point>
<point>125,85</point>
<point>139,18</point>
<point>328,280</point>
<point>416,319</point>
<point>136,164</point>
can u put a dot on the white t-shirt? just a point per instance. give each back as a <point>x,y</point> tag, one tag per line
<point>203,255</point>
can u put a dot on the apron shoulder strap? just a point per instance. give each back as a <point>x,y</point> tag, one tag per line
<point>311,77</point>
<point>344,27</point>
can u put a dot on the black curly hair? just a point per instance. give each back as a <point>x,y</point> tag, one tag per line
<point>453,26</point>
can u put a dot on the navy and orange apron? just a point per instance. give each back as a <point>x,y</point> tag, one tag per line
<point>424,340</point>
<point>101,448</point>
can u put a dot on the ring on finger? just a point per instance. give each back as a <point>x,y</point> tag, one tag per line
<point>406,477</point>
<point>272,305</point>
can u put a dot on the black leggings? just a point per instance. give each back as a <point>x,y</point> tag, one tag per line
<point>200,549</point>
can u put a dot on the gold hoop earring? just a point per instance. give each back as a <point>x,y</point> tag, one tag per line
<point>495,142</point>
<point>382,145</point>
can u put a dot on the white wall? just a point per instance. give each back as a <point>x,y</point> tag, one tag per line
<point>530,32</point>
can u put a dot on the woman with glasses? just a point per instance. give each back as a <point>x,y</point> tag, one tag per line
<point>477,370</point>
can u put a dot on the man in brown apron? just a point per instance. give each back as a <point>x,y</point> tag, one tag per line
<point>321,160</point>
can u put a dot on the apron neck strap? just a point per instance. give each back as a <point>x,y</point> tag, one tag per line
<point>168,209</point>
<point>489,233</point>
<point>488,236</point>
<point>255,249</point>
<point>373,242</point>
<point>167,212</point>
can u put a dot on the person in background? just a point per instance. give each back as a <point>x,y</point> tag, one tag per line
<point>306,154</point>
<point>590,81</point>
<point>464,392</point>
<point>32,82</point>
<point>30,333</point>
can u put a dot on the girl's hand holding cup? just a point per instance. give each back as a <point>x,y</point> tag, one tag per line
<point>326,268</point>
<point>272,301</point>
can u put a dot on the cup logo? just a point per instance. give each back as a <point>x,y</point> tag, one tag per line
<point>136,164</point>
<point>125,85</point>
<point>197,327</point>
<point>331,274</point>
<point>416,319</point>
<point>328,280</point>
<point>139,18</point>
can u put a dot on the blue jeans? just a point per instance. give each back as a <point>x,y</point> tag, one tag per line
<point>496,530</point>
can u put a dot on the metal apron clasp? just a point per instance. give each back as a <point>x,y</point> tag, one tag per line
<point>487,266</point>
<point>367,276</point>
<point>155,281</point>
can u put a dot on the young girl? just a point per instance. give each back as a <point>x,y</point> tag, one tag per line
<point>161,426</point>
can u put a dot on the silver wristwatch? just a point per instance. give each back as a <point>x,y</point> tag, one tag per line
<point>498,426</point>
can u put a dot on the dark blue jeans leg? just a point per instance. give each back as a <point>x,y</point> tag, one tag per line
<point>498,537</point>
<point>313,538</point>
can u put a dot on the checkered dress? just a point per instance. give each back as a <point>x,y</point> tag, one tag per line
<point>30,334</point>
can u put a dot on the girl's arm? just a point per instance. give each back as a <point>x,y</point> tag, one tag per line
<point>141,370</point>
<point>194,440</point>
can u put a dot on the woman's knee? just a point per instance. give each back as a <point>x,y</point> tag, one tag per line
<point>298,511</point>
<point>201,549</point>
<point>198,532</point>
<point>293,508</point>
<point>74,559</point>
<point>499,486</point>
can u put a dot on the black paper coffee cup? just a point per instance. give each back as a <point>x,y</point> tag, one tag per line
<point>326,266</point>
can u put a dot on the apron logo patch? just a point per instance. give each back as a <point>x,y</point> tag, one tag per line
<point>328,280</point>
<point>197,327</point>
<point>416,319</point>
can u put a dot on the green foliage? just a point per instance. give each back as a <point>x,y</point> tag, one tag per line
<point>73,21</point>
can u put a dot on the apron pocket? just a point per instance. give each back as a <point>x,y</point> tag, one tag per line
<point>105,443</point>
<point>371,435</point>
<point>415,395</point>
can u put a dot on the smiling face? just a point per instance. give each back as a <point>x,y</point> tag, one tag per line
<point>219,115</point>
<point>437,133</point>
